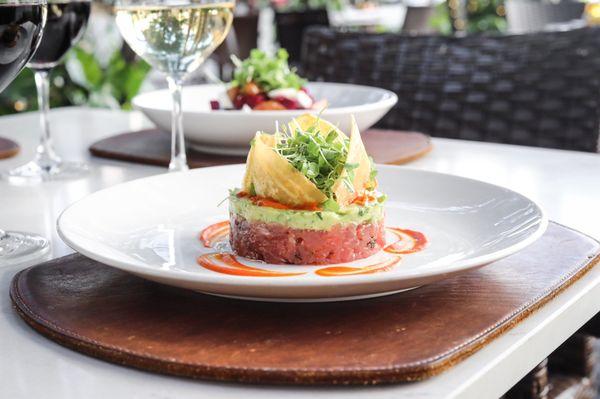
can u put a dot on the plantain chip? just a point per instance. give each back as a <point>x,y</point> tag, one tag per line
<point>247,182</point>
<point>305,121</point>
<point>272,176</point>
<point>361,173</point>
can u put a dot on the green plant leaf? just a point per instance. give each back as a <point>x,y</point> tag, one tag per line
<point>90,66</point>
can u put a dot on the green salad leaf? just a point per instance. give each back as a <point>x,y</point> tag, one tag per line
<point>320,156</point>
<point>269,73</point>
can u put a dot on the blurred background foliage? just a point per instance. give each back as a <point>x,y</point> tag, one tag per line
<point>103,72</point>
<point>82,80</point>
<point>480,16</point>
<point>485,16</point>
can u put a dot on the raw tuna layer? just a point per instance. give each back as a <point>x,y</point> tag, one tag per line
<point>277,243</point>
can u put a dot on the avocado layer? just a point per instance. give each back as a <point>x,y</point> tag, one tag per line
<point>308,220</point>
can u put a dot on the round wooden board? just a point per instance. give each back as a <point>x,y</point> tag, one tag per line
<point>394,147</point>
<point>152,147</point>
<point>8,148</point>
<point>121,318</point>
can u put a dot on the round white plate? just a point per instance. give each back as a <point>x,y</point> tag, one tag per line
<point>150,227</point>
<point>229,132</point>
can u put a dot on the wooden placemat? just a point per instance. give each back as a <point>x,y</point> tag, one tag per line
<point>8,148</point>
<point>121,318</point>
<point>153,147</point>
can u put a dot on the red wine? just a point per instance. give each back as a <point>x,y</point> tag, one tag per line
<point>20,30</point>
<point>65,25</point>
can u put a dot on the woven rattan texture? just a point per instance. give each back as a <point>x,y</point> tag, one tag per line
<point>540,89</point>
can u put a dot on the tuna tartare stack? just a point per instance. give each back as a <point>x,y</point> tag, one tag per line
<point>308,197</point>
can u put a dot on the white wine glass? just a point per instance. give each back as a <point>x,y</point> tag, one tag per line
<point>21,26</point>
<point>175,37</point>
<point>65,24</point>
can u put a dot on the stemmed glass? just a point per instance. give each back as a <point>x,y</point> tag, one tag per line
<point>21,25</point>
<point>176,37</point>
<point>65,25</point>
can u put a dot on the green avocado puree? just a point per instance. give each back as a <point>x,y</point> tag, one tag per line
<point>308,220</point>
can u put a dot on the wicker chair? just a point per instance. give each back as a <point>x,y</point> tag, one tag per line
<point>540,89</point>
<point>290,27</point>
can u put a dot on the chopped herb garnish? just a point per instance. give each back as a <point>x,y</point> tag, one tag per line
<point>319,157</point>
<point>269,73</point>
<point>320,215</point>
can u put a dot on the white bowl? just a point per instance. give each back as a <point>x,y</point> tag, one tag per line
<point>230,132</point>
<point>150,227</point>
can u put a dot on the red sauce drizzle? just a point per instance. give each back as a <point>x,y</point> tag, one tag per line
<point>213,233</point>
<point>228,264</point>
<point>332,271</point>
<point>271,203</point>
<point>409,241</point>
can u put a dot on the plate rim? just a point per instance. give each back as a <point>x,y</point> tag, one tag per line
<point>293,281</point>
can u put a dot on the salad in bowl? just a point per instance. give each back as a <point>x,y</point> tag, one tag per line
<point>265,83</point>
<point>222,118</point>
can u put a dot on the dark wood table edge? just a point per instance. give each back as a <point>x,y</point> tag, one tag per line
<point>411,372</point>
<point>96,150</point>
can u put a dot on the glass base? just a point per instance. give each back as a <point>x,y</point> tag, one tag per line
<point>33,172</point>
<point>18,247</point>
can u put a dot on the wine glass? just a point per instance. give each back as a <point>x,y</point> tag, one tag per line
<point>21,25</point>
<point>176,37</point>
<point>65,25</point>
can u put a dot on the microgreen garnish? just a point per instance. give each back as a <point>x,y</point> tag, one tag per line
<point>350,170</point>
<point>319,157</point>
<point>373,174</point>
<point>269,73</point>
<point>232,192</point>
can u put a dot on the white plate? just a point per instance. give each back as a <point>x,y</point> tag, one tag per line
<point>229,132</point>
<point>150,227</point>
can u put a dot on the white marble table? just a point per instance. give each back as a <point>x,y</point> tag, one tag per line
<point>566,184</point>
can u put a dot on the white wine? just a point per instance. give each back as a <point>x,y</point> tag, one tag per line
<point>175,38</point>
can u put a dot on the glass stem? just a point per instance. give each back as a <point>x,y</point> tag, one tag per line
<point>46,156</point>
<point>178,157</point>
